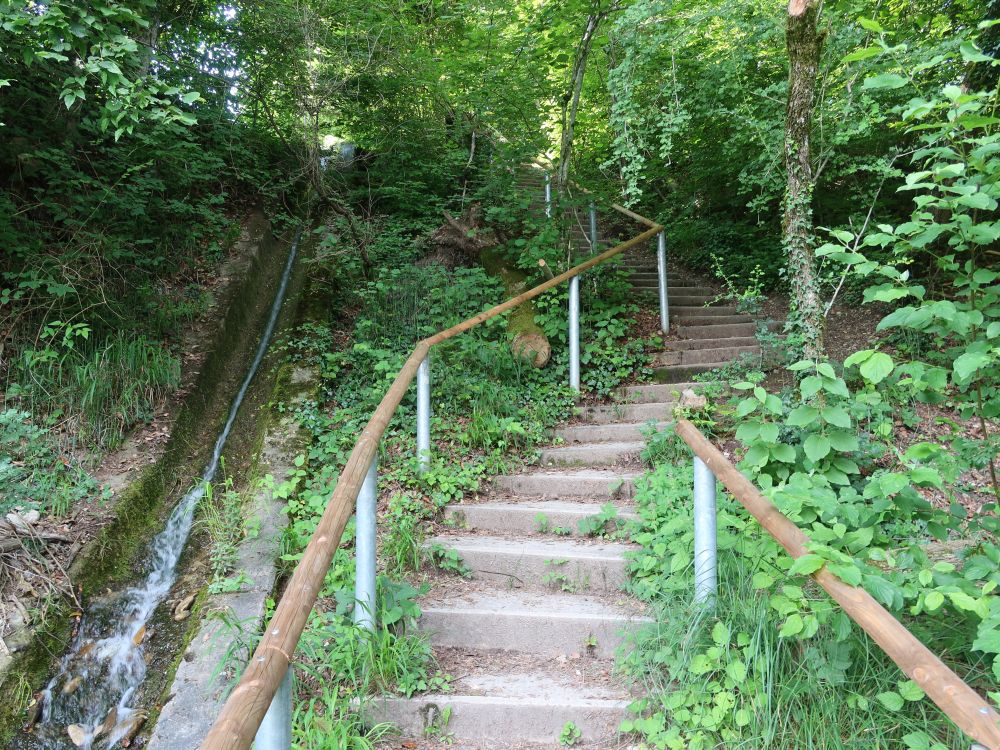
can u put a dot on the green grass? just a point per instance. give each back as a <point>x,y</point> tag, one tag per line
<point>102,390</point>
<point>723,676</point>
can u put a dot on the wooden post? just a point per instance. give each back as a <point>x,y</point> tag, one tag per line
<point>960,703</point>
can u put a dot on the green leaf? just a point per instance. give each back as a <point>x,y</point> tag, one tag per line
<point>933,600</point>
<point>891,700</point>
<point>910,690</point>
<point>870,25</point>
<point>784,453</point>
<point>801,416</point>
<point>792,626</point>
<point>806,565</point>
<point>876,367</point>
<point>862,54</point>
<point>816,447</point>
<point>720,634</point>
<point>836,416</point>
<point>848,573</point>
<point>190,97</point>
<point>845,442</point>
<point>885,81</point>
<point>971,53</point>
<point>967,364</point>
<point>746,406</point>
<point>737,671</point>
<point>769,432</point>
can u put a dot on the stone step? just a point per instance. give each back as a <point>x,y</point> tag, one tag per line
<point>529,516</point>
<point>700,356</point>
<point>548,623</point>
<point>538,563</point>
<point>635,412</point>
<point>508,706</point>
<point>653,393</point>
<point>599,484</point>
<point>671,374</point>
<point>688,344</point>
<point>605,432</point>
<point>592,454</point>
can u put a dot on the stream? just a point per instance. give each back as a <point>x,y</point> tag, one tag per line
<point>90,701</point>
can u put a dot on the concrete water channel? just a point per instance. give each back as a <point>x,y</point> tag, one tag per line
<point>109,676</point>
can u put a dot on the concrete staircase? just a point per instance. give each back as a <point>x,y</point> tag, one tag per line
<point>707,335</point>
<point>530,637</point>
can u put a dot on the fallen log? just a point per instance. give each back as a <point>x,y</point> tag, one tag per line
<point>527,340</point>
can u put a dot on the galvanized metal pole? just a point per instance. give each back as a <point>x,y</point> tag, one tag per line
<point>661,272</point>
<point>275,731</point>
<point>574,333</point>
<point>364,550</point>
<point>548,195</point>
<point>424,414</point>
<point>593,228</point>
<point>705,553</point>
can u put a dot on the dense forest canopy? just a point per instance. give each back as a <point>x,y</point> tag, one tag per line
<point>825,153</point>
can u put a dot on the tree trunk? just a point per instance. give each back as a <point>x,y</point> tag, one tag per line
<point>571,101</point>
<point>527,339</point>
<point>804,42</point>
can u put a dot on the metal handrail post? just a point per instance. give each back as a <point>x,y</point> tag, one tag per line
<point>424,415</point>
<point>705,531</point>
<point>661,273</point>
<point>275,731</point>
<point>548,195</point>
<point>574,333</point>
<point>364,550</point>
<point>593,227</point>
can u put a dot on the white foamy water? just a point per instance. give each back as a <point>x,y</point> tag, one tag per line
<point>89,703</point>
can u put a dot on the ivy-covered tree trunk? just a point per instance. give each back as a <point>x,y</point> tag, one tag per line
<point>804,42</point>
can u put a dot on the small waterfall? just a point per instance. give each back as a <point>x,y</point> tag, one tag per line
<point>89,701</point>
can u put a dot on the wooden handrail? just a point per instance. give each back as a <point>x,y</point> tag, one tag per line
<point>638,218</point>
<point>960,703</point>
<point>237,723</point>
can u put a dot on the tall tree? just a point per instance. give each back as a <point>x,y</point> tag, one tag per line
<point>571,100</point>
<point>804,41</point>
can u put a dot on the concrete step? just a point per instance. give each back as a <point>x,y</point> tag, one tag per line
<point>599,484</point>
<point>605,432</point>
<point>564,565</point>
<point>636,412</point>
<point>690,328</point>
<point>671,374</point>
<point>529,516</point>
<point>592,454</point>
<point>708,318</point>
<point>506,707</point>
<point>688,344</point>
<point>700,356</point>
<point>548,623</point>
<point>715,311</point>
<point>656,393</point>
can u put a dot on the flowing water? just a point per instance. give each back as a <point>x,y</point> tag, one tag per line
<point>90,701</point>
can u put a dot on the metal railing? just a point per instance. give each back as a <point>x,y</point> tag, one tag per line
<point>260,707</point>
<point>953,696</point>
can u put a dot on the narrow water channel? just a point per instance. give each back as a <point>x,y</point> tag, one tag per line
<point>90,703</point>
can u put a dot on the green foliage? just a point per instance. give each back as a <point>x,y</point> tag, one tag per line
<point>33,474</point>
<point>106,390</point>
<point>570,734</point>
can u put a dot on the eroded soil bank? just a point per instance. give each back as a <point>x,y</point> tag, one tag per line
<point>116,553</point>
